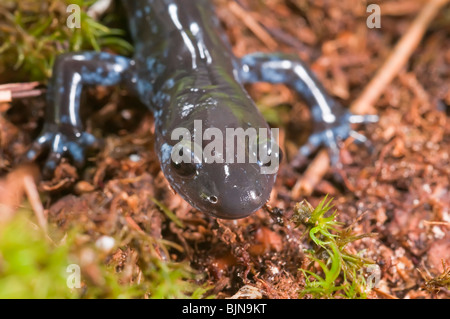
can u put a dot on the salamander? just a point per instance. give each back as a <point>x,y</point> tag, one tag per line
<point>183,69</point>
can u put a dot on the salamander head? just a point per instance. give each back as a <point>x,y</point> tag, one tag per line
<point>226,179</point>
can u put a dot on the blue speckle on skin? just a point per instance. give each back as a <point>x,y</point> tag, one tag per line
<point>122,61</point>
<point>166,152</point>
<point>100,76</point>
<point>65,119</point>
<point>144,89</point>
<point>300,86</point>
<point>150,63</point>
<point>170,83</point>
<point>50,164</point>
<point>273,75</point>
<point>104,55</point>
<point>160,67</point>
<point>31,154</point>
<point>76,152</point>
<point>88,139</point>
<point>157,114</point>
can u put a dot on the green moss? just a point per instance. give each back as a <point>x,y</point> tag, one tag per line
<point>435,284</point>
<point>340,274</point>
<point>32,265</point>
<point>171,215</point>
<point>33,33</point>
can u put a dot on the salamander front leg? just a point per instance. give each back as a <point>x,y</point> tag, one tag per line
<point>332,121</point>
<point>63,133</point>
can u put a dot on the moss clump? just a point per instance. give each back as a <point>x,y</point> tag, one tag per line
<point>32,265</point>
<point>340,273</point>
<point>33,33</point>
<point>436,283</point>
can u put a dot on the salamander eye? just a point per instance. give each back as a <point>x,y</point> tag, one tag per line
<point>280,158</point>
<point>268,161</point>
<point>184,169</point>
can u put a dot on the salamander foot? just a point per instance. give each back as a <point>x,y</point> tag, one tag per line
<point>330,135</point>
<point>57,142</point>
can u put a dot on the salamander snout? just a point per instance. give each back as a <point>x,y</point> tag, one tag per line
<point>227,191</point>
<point>224,190</point>
<point>233,194</point>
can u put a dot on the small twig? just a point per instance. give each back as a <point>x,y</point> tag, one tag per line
<point>5,96</point>
<point>98,9</point>
<point>312,176</point>
<point>400,8</point>
<point>384,294</point>
<point>398,58</point>
<point>11,91</point>
<point>428,222</point>
<point>14,186</point>
<point>21,95</point>
<point>35,201</point>
<point>18,86</point>
<point>253,25</point>
<point>134,225</point>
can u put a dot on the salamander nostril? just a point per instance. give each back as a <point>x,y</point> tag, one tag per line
<point>213,199</point>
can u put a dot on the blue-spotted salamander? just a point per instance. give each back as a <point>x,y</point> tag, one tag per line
<point>183,69</point>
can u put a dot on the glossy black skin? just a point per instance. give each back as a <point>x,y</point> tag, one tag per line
<point>183,70</point>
